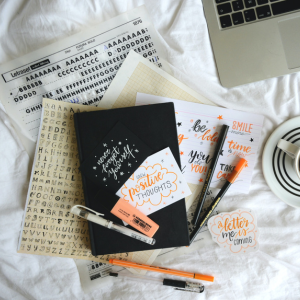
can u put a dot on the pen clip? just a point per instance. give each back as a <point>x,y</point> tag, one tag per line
<point>193,290</point>
<point>88,209</point>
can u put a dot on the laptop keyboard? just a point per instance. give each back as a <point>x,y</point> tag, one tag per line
<point>240,12</point>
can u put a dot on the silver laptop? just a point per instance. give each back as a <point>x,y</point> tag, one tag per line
<point>254,40</point>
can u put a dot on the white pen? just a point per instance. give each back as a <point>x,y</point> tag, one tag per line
<point>186,286</point>
<point>93,216</point>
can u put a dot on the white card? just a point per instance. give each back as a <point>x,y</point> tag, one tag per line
<point>157,183</point>
<point>198,128</point>
<point>236,231</point>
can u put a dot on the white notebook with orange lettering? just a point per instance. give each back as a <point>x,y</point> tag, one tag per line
<point>198,128</point>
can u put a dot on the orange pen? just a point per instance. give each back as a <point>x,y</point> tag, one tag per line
<point>129,264</point>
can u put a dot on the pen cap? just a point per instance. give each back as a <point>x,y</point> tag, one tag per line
<point>237,170</point>
<point>75,210</point>
<point>184,285</point>
<point>174,283</point>
<point>86,214</point>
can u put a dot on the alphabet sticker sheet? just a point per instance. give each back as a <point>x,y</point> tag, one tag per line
<point>48,227</point>
<point>198,128</point>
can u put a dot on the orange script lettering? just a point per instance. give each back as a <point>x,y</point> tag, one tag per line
<point>236,146</point>
<point>222,175</point>
<point>149,180</point>
<point>181,138</point>
<point>198,169</point>
<point>235,223</point>
<point>241,126</point>
<point>207,136</point>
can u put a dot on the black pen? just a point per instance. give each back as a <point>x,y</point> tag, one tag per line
<point>229,181</point>
<point>210,172</point>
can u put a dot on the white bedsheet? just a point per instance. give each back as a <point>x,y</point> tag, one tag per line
<point>271,273</point>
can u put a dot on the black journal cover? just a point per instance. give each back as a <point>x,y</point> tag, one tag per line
<point>155,125</point>
<point>115,158</point>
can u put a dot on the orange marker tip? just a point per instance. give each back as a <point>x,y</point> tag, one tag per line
<point>237,170</point>
<point>241,164</point>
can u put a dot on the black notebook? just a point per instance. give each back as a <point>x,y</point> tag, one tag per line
<point>155,125</point>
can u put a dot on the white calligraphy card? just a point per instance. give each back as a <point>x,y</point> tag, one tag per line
<point>198,128</point>
<point>157,183</point>
<point>236,231</point>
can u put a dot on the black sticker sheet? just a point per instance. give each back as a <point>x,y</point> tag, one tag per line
<point>115,158</point>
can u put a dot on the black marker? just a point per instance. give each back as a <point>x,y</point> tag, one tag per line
<point>210,172</point>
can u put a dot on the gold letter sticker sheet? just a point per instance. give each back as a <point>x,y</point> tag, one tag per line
<point>55,186</point>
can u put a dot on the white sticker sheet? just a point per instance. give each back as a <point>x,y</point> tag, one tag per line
<point>198,128</point>
<point>78,69</point>
<point>157,183</point>
<point>93,275</point>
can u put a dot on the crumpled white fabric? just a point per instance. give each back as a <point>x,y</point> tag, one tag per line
<point>271,273</point>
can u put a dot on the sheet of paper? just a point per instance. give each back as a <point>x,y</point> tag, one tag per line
<point>77,69</point>
<point>157,183</point>
<point>93,275</point>
<point>138,75</point>
<point>198,128</point>
<point>48,227</point>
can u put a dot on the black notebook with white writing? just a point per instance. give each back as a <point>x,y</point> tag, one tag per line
<point>155,126</point>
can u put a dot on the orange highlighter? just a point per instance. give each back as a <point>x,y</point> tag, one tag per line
<point>128,264</point>
<point>230,180</point>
